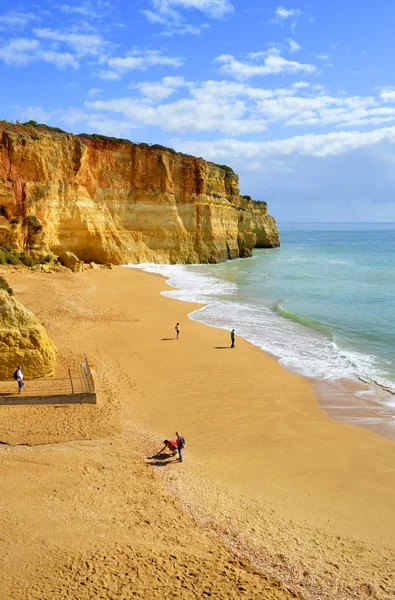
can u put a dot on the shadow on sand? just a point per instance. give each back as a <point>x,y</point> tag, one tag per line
<point>161,460</point>
<point>167,339</point>
<point>222,347</point>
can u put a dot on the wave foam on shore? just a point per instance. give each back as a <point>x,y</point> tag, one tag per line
<point>300,346</point>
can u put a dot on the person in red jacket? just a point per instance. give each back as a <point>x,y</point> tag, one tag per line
<point>170,445</point>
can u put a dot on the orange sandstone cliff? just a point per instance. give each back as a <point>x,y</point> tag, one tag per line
<point>110,201</point>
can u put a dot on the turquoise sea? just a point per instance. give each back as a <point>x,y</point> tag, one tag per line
<point>323,303</point>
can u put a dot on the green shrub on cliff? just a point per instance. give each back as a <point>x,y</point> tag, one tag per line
<point>34,123</point>
<point>159,147</point>
<point>226,168</point>
<point>26,260</point>
<point>103,138</point>
<point>32,221</point>
<point>10,256</point>
<point>4,286</point>
<point>50,128</point>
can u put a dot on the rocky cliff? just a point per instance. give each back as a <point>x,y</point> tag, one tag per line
<point>24,341</point>
<point>119,202</point>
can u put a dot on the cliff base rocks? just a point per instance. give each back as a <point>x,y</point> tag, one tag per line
<point>24,341</point>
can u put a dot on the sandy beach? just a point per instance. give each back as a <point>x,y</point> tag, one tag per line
<point>273,500</point>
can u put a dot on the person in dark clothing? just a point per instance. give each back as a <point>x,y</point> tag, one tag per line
<point>180,444</point>
<point>232,337</point>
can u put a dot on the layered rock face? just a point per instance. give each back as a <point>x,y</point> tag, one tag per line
<point>24,341</point>
<point>117,202</point>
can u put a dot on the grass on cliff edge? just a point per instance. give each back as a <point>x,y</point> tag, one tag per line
<point>106,138</point>
<point>4,286</point>
<point>9,256</point>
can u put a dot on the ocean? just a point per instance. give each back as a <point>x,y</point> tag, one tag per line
<point>323,303</point>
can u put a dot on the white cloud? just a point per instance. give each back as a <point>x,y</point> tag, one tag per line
<point>294,46</point>
<point>59,59</point>
<point>313,145</point>
<point>214,9</point>
<point>21,51</point>
<point>69,47</point>
<point>273,64</point>
<point>203,111</point>
<point>169,14</point>
<point>388,94</point>
<point>301,85</point>
<point>83,44</point>
<point>90,9</point>
<point>108,75</point>
<point>235,107</point>
<point>142,61</point>
<point>160,90</point>
<point>109,127</point>
<point>322,56</point>
<point>16,19</point>
<point>282,14</point>
<point>37,113</point>
<point>93,92</point>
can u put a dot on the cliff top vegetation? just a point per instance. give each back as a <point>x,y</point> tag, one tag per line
<point>106,138</point>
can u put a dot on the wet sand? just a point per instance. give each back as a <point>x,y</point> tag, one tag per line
<point>267,474</point>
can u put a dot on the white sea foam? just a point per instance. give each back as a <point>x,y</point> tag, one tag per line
<point>338,262</point>
<point>299,348</point>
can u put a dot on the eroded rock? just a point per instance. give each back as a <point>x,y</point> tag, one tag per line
<point>24,341</point>
<point>72,262</point>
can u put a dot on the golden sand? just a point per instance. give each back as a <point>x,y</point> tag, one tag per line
<point>273,499</point>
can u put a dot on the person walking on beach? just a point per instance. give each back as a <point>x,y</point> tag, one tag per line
<point>232,337</point>
<point>177,328</point>
<point>18,376</point>
<point>180,444</point>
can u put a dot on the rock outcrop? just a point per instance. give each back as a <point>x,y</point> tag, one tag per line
<point>70,260</point>
<point>119,202</point>
<point>24,341</point>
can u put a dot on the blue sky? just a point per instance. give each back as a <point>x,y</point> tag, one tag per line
<point>299,98</point>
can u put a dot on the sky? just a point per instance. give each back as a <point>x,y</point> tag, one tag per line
<point>298,98</point>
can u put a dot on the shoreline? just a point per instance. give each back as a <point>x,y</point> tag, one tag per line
<point>312,498</point>
<point>345,400</point>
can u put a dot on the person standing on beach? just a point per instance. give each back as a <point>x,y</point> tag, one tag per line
<point>180,444</point>
<point>232,337</point>
<point>177,328</point>
<point>18,375</point>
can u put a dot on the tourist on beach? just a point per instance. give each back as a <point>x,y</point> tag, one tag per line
<point>177,328</point>
<point>232,337</point>
<point>170,445</point>
<point>180,444</point>
<point>18,375</point>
